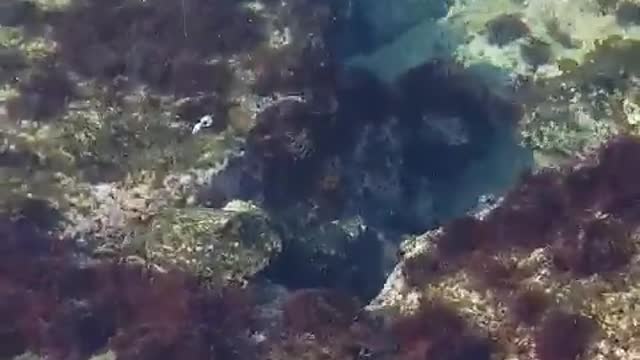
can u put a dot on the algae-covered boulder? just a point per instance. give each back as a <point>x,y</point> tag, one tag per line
<point>219,245</point>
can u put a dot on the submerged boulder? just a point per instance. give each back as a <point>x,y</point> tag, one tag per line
<point>219,245</point>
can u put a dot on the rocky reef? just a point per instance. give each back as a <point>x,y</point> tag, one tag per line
<point>537,274</point>
<point>219,246</point>
<point>62,304</point>
<point>363,179</point>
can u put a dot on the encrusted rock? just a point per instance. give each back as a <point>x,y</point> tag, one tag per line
<point>224,245</point>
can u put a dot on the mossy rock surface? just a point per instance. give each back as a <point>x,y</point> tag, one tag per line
<point>587,105</point>
<point>219,245</point>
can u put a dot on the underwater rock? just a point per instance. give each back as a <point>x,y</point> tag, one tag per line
<point>220,246</point>
<point>545,252</point>
<point>577,111</point>
<point>327,148</point>
<point>116,154</point>
<point>107,308</point>
<point>379,163</point>
<point>599,246</point>
<point>492,31</point>
<point>58,302</point>
<point>319,311</point>
<point>375,157</point>
<point>565,58</point>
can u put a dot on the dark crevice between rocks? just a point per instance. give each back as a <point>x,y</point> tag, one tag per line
<point>369,165</point>
<point>332,258</point>
<point>380,160</point>
<point>359,162</point>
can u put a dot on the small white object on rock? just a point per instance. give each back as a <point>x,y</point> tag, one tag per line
<point>204,122</point>
<point>280,38</point>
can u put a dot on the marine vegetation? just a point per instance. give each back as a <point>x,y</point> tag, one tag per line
<point>558,236</point>
<point>211,179</point>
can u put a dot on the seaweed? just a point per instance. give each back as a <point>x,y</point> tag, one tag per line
<point>57,302</point>
<point>597,246</point>
<point>161,43</point>
<point>436,331</point>
<point>421,269</point>
<point>506,28</point>
<point>319,311</point>
<point>529,305</point>
<point>536,52</point>
<point>563,335</point>
<point>584,215</point>
<point>42,95</point>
